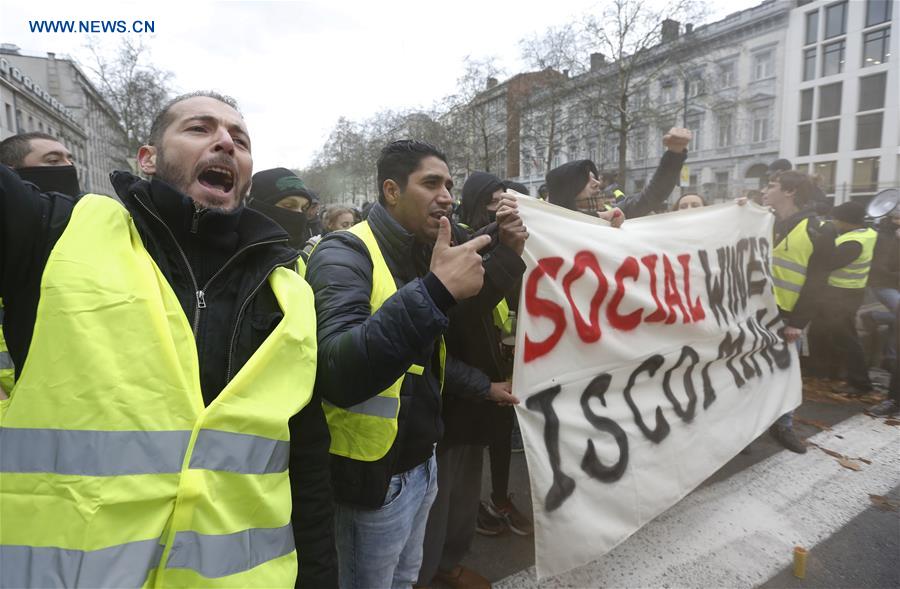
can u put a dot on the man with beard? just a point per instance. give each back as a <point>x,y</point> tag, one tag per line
<point>45,162</point>
<point>164,419</point>
<point>383,291</point>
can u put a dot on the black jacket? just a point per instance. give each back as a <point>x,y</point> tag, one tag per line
<point>566,181</point>
<point>190,249</point>
<point>361,354</point>
<point>474,340</point>
<point>885,271</point>
<point>817,269</point>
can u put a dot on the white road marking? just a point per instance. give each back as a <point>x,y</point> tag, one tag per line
<point>741,531</point>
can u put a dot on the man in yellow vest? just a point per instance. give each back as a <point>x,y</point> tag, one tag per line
<point>799,259</point>
<point>383,289</point>
<point>41,159</point>
<point>162,430</point>
<point>834,327</point>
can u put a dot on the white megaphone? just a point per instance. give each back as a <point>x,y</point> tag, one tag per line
<point>883,203</point>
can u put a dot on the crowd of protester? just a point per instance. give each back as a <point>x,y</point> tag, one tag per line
<point>318,381</point>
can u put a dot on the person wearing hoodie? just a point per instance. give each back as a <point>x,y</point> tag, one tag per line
<point>576,185</point>
<point>281,195</point>
<point>165,351</point>
<point>473,339</point>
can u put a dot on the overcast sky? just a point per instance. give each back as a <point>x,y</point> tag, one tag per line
<point>295,67</point>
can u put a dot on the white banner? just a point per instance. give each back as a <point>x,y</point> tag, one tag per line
<point>646,358</point>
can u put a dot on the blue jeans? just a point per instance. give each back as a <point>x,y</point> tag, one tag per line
<point>380,548</point>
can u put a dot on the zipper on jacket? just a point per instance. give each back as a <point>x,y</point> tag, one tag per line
<point>199,293</point>
<point>237,323</point>
<point>195,220</point>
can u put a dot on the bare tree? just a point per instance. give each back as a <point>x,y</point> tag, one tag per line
<point>634,40</point>
<point>135,89</point>
<point>561,49</point>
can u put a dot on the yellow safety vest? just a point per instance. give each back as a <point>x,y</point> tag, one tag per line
<point>855,274</point>
<point>501,317</point>
<point>366,431</point>
<point>618,194</point>
<point>113,473</point>
<point>789,261</point>
<point>7,369</point>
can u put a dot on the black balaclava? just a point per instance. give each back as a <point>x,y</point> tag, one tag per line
<point>476,195</point>
<point>565,182</point>
<point>270,187</point>
<point>62,179</point>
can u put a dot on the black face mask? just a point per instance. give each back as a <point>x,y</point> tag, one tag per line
<point>63,179</point>
<point>291,221</point>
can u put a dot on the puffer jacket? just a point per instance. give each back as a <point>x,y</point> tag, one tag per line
<point>361,354</point>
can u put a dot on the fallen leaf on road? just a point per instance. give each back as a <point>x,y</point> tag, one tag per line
<point>814,422</point>
<point>864,460</point>
<point>883,503</point>
<point>892,421</point>
<point>847,463</point>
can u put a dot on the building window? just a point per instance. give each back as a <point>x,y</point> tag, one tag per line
<point>726,74</point>
<point>878,11</point>
<point>639,145</point>
<point>806,104</point>
<point>725,135</point>
<point>865,175</point>
<point>695,86</point>
<point>722,179</point>
<point>9,118</point>
<point>871,92</point>
<point>868,130</point>
<point>667,91</point>
<point>830,100</point>
<point>827,136</point>
<point>693,125</point>
<point>876,47</point>
<point>592,151</point>
<point>825,171</point>
<point>760,121</point>
<point>833,59</point>
<point>812,27</point>
<point>835,20</point>
<point>809,64</point>
<point>763,65</point>
<point>804,133</point>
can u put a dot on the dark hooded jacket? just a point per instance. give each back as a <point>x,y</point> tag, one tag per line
<point>566,181</point>
<point>476,195</point>
<point>472,337</point>
<point>229,255</point>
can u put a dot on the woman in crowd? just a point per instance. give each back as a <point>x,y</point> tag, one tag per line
<point>691,200</point>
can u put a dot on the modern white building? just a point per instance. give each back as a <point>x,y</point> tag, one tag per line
<point>840,98</point>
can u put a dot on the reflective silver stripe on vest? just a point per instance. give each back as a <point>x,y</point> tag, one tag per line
<point>858,266</point>
<point>789,265</point>
<point>228,554</point>
<point>6,362</point>
<point>848,275</point>
<point>241,453</point>
<point>92,453</point>
<point>377,406</point>
<point>125,565</point>
<point>786,285</point>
